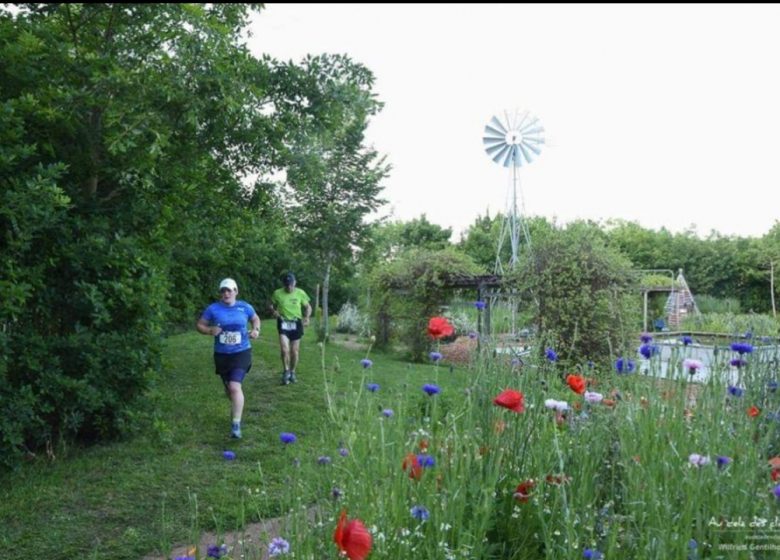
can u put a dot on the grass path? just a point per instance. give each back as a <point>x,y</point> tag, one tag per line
<point>169,482</point>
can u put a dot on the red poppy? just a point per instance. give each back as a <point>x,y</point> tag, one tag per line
<point>523,490</point>
<point>413,466</point>
<point>577,383</point>
<point>511,399</point>
<point>774,462</point>
<point>423,445</point>
<point>439,327</point>
<point>352,538</point>
<point>775,474</point>
<point>753,411</point>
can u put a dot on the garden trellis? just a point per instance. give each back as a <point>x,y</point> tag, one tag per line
<point>680,303</point>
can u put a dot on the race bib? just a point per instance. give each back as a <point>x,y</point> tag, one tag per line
<point>230,338</point>
<point>289,325</point>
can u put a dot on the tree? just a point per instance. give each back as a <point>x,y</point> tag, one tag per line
<point>582,289</point>
<point>129,129</point>
<point>334,179</point>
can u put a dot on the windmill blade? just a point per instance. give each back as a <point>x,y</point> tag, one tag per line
<point>492,150</point>
<point>521,122</point>
<point>534,139</point>
<point>526,155</point>
<point>510,156</point>
<point>493,131</point>
<point>517,159</point>
<point>501,153</point>
<point>534,149</point>
<point>497,124</point>
<point>525,126</point>
<point>492,142</point>
<point>535,133</point>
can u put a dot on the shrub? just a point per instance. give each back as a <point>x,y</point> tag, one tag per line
<point>351,320</point>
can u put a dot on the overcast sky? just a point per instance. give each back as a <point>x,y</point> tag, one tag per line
<point>668,115</point>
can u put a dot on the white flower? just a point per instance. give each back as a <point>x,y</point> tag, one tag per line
<point>560,406</point>
<point>593,397</point>
<point>698,460</point>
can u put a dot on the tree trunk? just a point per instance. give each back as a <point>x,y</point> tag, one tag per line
<point>324,326</point>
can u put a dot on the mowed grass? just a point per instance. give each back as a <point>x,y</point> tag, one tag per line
<point>168,482</point>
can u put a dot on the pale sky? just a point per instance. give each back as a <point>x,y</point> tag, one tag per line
<point>668,115</point>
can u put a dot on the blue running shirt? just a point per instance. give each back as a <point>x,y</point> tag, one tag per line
<point>232,320</point>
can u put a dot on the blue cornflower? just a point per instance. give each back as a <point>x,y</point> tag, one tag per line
<point>772,386</point>
<point>623,365</point>
<point>692,546</point>
<point>742,347</point>
<point>323,460</point>
<point>419,512</point>
<point>592,554</point>
<point>723,461</point>
<point>435,356</point>
<point>648,350</point>
<point>479,305</point>
<point>278,546</point>
<point>287,437</point>
<point>426,461</point>
<point>366,363</point>
<point>473,335</point>
<point>215,551</point>
<point>551,355</point>
<point>388,413</point>
<point>737,362</point>
<point>736,391</point>
<point>229,455</point>
<point>645,338</point>
<point>343,451</point>
<point>686,340</point>
<point>776,491</point>
<point>373,387</point>
<point>431,389</point>
<point>336,493</point>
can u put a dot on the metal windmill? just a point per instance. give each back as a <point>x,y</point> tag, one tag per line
<point>513,141</point>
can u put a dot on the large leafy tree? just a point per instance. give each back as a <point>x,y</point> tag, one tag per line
<point>128,130</point>
<point>334,179</point>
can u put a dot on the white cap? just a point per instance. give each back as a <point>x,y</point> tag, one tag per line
<point>228,283</point>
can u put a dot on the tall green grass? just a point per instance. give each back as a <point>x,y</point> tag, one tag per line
<point>616,479</point>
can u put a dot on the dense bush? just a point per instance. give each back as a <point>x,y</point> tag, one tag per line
<point>585,304</point>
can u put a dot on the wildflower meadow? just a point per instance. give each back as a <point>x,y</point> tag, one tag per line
<point>537,462</point>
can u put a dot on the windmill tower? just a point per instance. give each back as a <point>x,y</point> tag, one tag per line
<point>513,140</point>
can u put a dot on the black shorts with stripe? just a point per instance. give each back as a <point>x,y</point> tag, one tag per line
<point>291,334</point>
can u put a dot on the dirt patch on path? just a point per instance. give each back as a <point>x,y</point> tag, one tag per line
<point>250,542</point>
